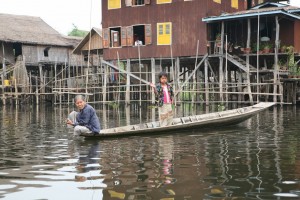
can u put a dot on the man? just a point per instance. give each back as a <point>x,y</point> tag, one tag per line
<point>86,120</point>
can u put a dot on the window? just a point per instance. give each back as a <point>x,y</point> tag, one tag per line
<point>127,36</point>
<point>114,4</point>
<point>46,51</point>
<point>115,37</point>
<point>139,34</point>
<point>163,1</point>
<point>137,2</point>
<point>235,4</point>
<point>217,1</point>
<point>164,33</point>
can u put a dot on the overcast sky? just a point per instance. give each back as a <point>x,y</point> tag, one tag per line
<point>59,14</point>
<point>62,14</point>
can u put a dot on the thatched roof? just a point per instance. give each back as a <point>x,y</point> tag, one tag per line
<point>30,30</point>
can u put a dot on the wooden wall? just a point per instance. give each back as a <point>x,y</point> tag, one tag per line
<point>8,53</point>
<point>187,26</point>
<point>35,54</point>
<point>297,36</point>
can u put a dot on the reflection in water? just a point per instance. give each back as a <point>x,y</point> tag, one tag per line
<point>40,159</point>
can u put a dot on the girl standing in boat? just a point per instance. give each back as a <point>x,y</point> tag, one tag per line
<point>164,95</point>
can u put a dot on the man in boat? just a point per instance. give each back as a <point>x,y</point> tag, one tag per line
<point>86,120</point>
<point>164,96</point>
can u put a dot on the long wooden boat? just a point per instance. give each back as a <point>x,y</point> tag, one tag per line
<point>233,116</point>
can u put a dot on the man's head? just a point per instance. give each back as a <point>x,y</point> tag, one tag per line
<point>80,101</point>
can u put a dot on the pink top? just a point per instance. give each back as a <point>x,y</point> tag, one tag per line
<point>167,98</point>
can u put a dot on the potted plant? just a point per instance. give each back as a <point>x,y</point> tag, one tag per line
<point>266,47</point>
<point>254,48</point>
<point>283,49</point>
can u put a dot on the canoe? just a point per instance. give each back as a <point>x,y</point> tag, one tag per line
<point>222,118</point>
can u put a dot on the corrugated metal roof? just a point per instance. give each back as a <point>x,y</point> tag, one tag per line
<point>30,30</point>
<point>285,10</point>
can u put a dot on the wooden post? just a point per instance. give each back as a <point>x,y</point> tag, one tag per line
<point>257,59</point>
<point>3,77</point>
<point>247,63</point>
<point>276,60</point>
<point>152,79</point>
<point>194,76</point>
<point>16,92</point>
<point>221,75</point>
<point>104,83</point>
<point>55,80</point>
<point>127,97</point>
<point>206,82</point>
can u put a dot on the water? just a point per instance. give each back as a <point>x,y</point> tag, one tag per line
<point>257,159</point>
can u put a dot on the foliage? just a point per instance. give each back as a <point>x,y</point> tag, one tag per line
<point>254,47</point>
<point>77,32</point>
<point>267,45</point>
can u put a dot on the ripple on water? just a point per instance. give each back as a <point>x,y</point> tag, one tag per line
<point>5,187</point>
<point>68,161</point>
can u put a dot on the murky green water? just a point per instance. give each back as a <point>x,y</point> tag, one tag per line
<point>257,159</point>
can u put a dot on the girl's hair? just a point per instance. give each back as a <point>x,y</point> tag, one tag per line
<point>162,74</point>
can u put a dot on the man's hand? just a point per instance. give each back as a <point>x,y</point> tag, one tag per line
<point>70,122</point>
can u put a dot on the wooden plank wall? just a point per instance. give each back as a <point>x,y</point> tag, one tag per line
<point>187,26</point>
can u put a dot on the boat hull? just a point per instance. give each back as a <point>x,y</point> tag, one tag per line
<point>218,119</point>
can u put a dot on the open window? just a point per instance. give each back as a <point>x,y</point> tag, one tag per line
<point>17,47</point>
<point>139,35</point>
<point>115,37</point>
<point>46,52</point>
<point>136,2</point>
<point>142,34</point>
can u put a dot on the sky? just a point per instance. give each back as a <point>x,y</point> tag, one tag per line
<point>62,14</point>
<point>59,14</point>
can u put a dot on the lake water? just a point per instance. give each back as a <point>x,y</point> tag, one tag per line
<point>256,159</point>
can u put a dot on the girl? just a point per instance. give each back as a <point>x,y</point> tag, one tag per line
<point>164,95</point>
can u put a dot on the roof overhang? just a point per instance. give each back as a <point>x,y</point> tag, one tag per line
<point>249,15</point>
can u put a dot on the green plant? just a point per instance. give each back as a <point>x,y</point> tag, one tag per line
<point>218,36</point>
<point>254,47</point>
<point>290,49</point>
<point>267,45</point>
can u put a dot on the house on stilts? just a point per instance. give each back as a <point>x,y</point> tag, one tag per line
<point>33,58</point>
<point>192,41</point>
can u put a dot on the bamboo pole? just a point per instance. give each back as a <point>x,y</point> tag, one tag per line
<point>194,76</point>
<point>127,97</point>
<point>221,75</point>
<point>276,59</point>
<point>153,79</point>
<point>206,82</point>
<point>257,57</point>
<point>247,62</point>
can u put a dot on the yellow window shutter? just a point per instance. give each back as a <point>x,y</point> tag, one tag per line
<point>235,4</point>
<point>163,1</point>
<point>114,4</point>
<point>164,33</point>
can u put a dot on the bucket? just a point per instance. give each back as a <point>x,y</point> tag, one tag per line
<point>6,83</point>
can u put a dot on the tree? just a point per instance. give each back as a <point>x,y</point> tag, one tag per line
<point>77,32</point>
